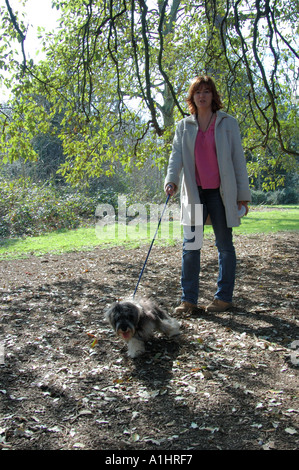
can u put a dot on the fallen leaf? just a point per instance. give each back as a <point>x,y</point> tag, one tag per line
<point>290,431</point>
<point>84,413</point>
<point>54,429</point>
<point>79,445</point>
<point>91,335</point>
<point>269,445</point>
<point>135,414</point>
<point>211,430</point>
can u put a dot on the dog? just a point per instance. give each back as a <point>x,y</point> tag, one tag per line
<point>135,322</point>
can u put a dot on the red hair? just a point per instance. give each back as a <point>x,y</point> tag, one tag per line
<point>197,83</point>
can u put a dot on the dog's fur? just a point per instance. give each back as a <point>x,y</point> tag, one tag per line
<point>135,322</point>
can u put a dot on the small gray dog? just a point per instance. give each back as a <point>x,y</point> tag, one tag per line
<point>135,322</point>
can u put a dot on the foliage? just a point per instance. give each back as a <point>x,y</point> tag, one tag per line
<point>280,196</point>
<point>30,208</point>
<point>116,74</point>
<point>260,220</point>
<point>285,193</point>
<point>27,208</point>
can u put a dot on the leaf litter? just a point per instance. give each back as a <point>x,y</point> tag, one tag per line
<point>230,381</point>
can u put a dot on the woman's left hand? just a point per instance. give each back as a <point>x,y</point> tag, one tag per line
<point>245,204</point>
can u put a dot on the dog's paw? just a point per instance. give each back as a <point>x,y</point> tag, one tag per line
<point>135,348</point>
<point>135,354</point>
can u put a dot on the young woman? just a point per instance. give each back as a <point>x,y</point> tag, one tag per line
<point>207,150</point>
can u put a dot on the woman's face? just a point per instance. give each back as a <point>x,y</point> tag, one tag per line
<point>203,98</point>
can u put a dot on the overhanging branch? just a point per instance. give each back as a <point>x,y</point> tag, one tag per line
<point>22,36</point>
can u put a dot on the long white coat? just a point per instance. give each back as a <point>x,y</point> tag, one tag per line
<point>231,161</point>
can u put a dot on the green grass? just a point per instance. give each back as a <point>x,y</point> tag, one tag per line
<point>261,219</point>
<point>265,219</point>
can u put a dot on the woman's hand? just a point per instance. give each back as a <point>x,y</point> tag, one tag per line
<point>170,189</point>
<point>245,204</point>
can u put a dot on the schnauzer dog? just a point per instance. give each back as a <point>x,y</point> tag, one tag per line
<point>135,323</point>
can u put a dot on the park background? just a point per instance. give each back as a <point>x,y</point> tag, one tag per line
<point>92,93</point>
<point>89,118</point>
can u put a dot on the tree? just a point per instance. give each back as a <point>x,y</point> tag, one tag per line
<point>119,70</point>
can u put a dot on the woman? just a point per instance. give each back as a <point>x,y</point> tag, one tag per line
<point>207,150</point>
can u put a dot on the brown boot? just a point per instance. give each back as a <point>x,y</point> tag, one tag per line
<point>218,306</point>
<point>186,307</point>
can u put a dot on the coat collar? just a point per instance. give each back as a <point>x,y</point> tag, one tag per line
<point>219,116</point>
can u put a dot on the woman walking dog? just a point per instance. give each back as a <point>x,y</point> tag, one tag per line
<point>207,150</point>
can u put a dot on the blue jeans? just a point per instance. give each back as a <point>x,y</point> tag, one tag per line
<point>212,205</point>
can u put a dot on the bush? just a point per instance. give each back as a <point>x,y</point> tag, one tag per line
<point>289,196</point>
<point>28,208</point>
<point>258,197</point>
<point>280,196</point>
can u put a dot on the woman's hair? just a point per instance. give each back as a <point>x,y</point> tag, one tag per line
<point>195,85</point>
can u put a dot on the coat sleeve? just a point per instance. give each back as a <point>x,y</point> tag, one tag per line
<point>239,163</point>
<point>175,163</point>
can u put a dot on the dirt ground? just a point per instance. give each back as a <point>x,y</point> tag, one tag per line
<point>228,382</point>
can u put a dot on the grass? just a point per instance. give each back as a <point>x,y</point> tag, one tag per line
<point>277,219</point>
<point>261,219</point>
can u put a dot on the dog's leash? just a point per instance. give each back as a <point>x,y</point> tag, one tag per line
<point>159,223</point>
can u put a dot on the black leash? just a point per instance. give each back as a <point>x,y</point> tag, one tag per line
<point>159,223</point>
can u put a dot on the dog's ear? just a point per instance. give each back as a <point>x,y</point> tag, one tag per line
<point>109,315</point>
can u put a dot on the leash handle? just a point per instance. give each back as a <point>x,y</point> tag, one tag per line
<point>159,223</point>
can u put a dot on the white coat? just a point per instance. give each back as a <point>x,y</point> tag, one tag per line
<point>231,162</point>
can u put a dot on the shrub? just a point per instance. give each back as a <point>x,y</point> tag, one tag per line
<point>280,196</point>
<point>258,197</point>
<point>28,208</point>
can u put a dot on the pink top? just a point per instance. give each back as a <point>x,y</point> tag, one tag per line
<point>206,164</point>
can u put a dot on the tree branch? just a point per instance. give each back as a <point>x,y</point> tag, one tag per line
<point>160,56</point>
<point>247,65</point>
<point>151,103</point>
<point>22,36</point>
<point>270,93</point>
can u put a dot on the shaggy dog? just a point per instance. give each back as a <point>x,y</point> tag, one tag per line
<point>135,322</point>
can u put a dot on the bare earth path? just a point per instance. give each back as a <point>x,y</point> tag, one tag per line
<point>230,381</point>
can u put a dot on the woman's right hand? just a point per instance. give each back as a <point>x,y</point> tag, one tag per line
<point>170,189</point>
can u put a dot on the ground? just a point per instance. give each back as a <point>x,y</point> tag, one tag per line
<point>229,381</point>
